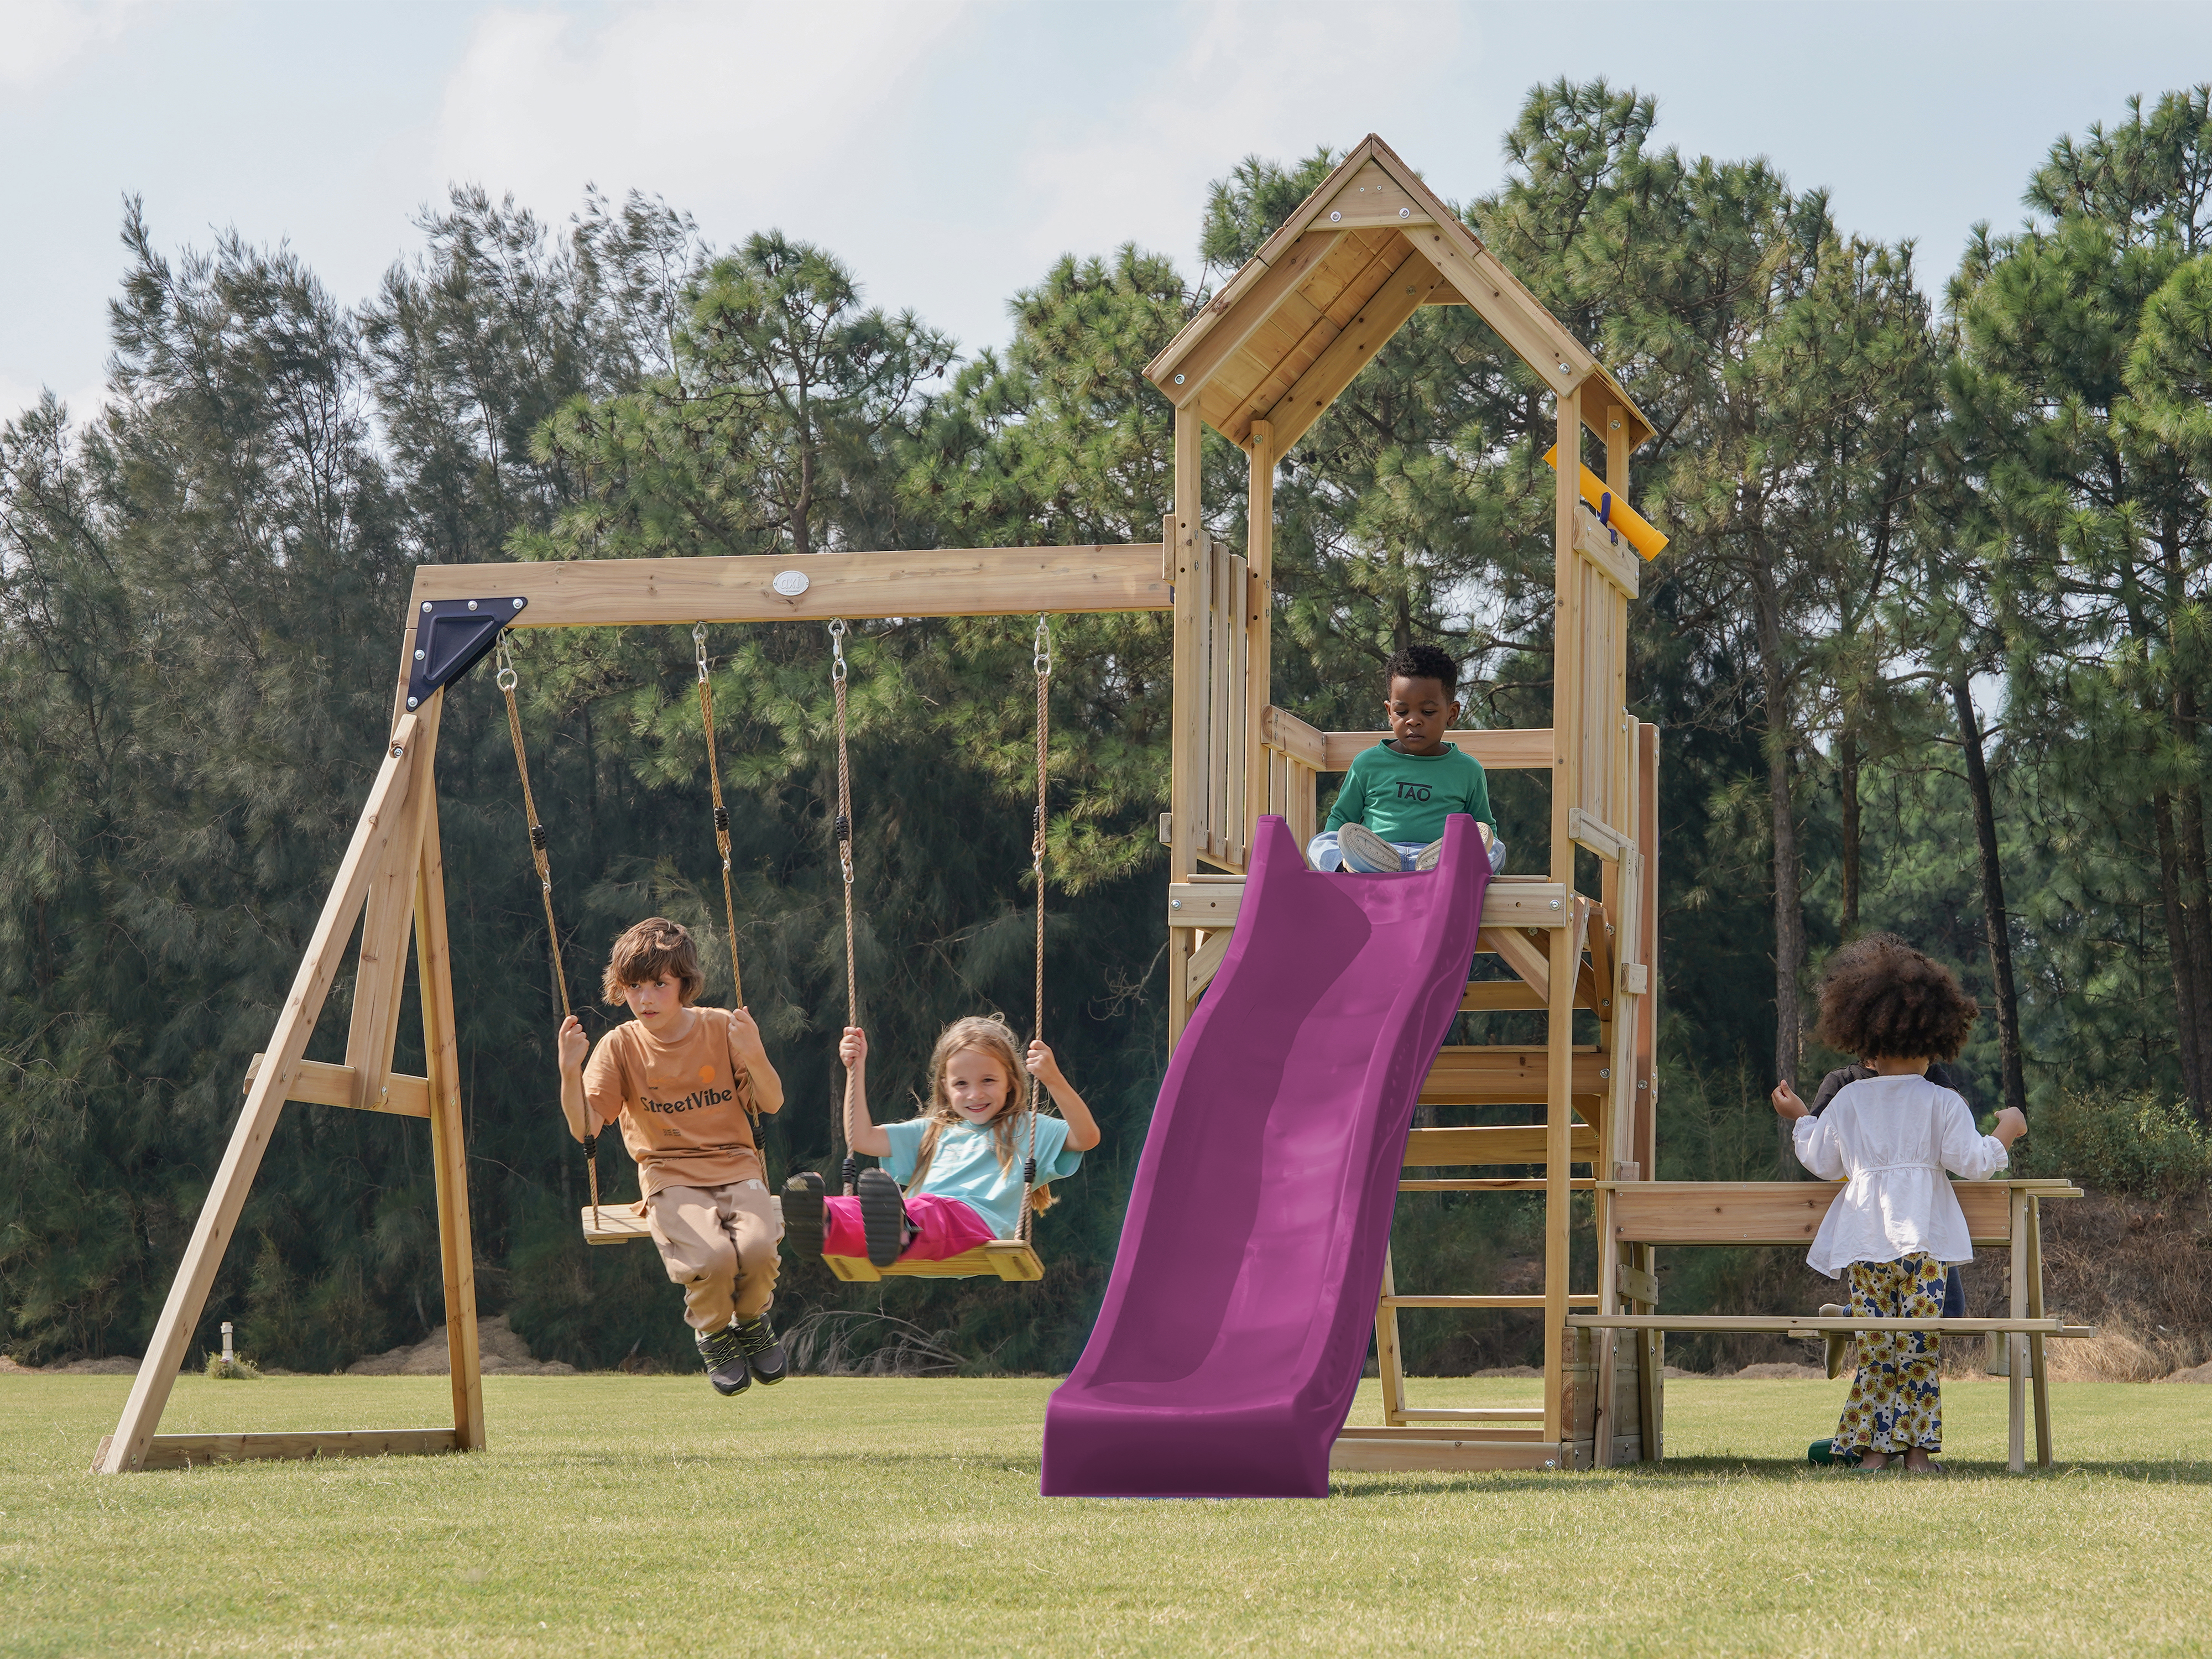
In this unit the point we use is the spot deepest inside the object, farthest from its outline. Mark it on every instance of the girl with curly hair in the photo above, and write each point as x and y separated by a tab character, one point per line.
1896	1226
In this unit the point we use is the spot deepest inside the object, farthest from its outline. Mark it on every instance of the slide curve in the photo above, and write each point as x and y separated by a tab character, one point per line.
1236	1324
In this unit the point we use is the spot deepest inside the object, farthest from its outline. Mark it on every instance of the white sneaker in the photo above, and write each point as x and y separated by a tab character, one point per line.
1367	853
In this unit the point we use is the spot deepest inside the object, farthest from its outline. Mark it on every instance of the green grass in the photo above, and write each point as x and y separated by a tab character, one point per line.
622	1515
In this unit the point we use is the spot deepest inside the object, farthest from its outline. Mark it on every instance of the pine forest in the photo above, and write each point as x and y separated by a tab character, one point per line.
1930	652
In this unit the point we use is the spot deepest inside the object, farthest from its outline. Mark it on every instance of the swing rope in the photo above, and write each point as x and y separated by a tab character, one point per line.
721	837
721	812
850	1173
1041	659
509	679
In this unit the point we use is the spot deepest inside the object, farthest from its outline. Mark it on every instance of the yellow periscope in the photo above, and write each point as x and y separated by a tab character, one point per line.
1618	513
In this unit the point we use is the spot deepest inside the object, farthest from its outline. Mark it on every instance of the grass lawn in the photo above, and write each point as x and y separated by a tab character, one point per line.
617	1515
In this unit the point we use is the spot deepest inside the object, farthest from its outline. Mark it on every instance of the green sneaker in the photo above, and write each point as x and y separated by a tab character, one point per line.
723	1353
762	1349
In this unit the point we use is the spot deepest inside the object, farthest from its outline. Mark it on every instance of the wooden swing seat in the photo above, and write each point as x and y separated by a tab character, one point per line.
1010	1258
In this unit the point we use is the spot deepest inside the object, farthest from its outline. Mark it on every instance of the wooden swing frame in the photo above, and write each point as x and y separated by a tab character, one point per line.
1260	363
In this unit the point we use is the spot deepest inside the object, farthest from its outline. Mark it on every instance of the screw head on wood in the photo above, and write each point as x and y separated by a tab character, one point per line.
426	604
411	701
1404	213
516	603
1335	217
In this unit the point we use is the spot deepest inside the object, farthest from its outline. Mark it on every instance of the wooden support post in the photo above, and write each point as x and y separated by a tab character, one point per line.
1259	624
1180	534
1559	1035
381	823
433	970
2037	1376
1390	1361
1644	1140
387	920
2016	1344
1225	613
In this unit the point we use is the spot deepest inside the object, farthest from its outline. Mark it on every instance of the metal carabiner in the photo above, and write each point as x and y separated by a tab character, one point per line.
699	645
837	644
1041	661
507	680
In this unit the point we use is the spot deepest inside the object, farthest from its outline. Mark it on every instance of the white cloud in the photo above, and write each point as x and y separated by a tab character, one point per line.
691	98
39	38
1271	79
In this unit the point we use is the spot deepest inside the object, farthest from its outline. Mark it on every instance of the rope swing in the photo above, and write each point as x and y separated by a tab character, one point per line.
721	837
849	1172
509	679
1041	659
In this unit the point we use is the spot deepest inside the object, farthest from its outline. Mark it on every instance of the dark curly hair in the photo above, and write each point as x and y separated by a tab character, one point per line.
1882	1000
1422	662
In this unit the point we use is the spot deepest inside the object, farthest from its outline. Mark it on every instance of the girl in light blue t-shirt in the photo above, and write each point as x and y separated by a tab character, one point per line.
961	1159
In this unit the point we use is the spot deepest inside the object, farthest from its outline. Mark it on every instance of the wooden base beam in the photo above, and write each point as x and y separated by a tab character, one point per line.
1400	1451
186	1451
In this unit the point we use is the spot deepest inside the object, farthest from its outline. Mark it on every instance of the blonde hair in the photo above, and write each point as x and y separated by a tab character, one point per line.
655	946
996	1039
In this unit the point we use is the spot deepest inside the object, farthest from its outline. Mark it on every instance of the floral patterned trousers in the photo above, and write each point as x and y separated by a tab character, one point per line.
1896	1400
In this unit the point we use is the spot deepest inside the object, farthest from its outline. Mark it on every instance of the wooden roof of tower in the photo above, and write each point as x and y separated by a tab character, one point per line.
1367	249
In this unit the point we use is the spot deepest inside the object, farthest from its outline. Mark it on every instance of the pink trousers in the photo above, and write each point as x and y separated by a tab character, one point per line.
948	1227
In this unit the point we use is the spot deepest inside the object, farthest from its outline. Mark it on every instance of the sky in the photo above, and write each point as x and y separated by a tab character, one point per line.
949	151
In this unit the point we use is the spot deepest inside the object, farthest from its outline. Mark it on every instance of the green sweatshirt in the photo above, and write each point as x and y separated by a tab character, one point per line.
1407	797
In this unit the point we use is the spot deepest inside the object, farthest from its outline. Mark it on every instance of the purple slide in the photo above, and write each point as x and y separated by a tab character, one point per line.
1236	1324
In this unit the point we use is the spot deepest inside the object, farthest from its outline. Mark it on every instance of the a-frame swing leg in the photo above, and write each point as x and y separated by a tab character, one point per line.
385	818
448	1146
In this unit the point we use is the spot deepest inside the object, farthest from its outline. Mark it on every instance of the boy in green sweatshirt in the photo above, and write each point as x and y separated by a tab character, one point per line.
1389	816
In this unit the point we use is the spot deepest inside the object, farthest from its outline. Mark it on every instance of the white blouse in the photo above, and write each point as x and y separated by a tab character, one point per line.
1894	1137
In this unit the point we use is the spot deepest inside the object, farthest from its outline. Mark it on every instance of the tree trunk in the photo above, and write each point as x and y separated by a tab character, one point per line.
1847	773
2196	900
1993	902
1789	909
2179	957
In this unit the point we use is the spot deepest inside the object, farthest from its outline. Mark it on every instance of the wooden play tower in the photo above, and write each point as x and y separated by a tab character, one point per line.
1259	364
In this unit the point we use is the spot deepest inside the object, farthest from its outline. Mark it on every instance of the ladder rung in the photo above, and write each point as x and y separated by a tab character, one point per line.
1495	1184
1575	1301
1469	1414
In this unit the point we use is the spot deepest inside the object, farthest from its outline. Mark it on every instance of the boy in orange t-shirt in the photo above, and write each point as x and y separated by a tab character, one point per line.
684	1082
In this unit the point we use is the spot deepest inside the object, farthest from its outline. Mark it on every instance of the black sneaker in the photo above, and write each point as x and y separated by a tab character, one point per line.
802	1213
764	1348
723	1353
883	1216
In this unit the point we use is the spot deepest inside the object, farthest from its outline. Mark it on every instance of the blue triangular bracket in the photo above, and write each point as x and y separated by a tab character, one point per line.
451	636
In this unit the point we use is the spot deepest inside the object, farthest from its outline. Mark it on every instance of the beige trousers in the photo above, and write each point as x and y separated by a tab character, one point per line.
719	1244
